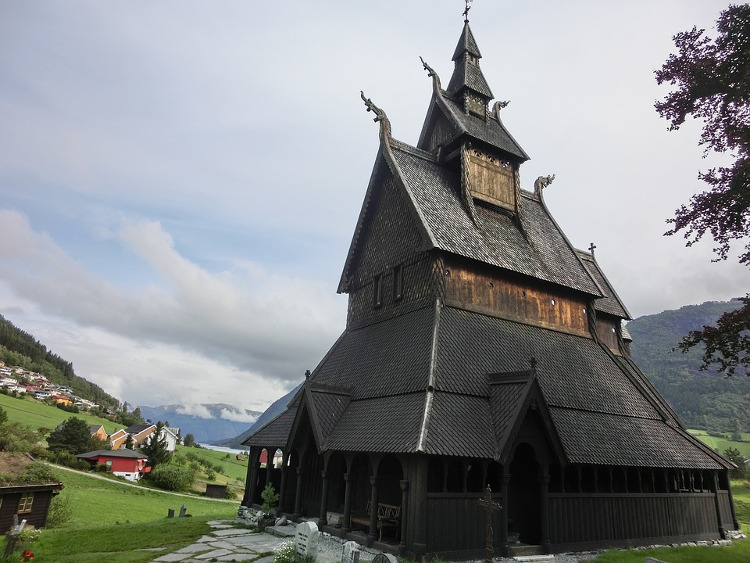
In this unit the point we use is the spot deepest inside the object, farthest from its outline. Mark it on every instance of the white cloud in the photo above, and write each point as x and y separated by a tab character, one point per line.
201	411
238	415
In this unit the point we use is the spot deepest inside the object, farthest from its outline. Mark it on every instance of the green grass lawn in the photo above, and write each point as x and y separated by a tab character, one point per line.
36	414
232	467
98	502
738	552
741	496
722	444
111	521
125	543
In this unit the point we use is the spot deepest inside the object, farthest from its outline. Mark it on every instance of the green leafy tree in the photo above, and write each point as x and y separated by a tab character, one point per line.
3	416
712	77
156	448
189	440
129	442
735	456
71	436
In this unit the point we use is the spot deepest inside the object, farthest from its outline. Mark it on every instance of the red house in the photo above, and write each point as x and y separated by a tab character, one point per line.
123	463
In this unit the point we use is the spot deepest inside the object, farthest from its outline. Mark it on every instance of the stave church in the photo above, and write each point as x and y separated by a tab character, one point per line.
481	351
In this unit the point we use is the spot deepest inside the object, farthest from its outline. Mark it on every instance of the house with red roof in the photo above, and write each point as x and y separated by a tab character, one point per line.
123	463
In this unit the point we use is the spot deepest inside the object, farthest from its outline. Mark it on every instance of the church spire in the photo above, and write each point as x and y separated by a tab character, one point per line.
468	84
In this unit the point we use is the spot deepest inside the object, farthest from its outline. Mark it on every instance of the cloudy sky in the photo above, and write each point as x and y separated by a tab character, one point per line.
179	180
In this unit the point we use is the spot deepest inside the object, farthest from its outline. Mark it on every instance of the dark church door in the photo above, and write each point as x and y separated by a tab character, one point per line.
524	500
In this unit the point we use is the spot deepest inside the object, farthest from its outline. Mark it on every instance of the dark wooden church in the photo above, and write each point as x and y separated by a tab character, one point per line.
481	349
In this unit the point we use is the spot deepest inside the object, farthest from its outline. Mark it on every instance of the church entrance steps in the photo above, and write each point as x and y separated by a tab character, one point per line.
525	552
533	558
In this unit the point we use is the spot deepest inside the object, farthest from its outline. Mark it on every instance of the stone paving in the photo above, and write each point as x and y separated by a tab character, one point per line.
226	543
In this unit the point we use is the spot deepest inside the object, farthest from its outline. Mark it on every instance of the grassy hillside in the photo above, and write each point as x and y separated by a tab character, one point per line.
703	399
37	414
19	348
721	444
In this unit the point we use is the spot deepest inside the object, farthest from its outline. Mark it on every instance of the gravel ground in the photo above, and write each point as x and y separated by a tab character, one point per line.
329	550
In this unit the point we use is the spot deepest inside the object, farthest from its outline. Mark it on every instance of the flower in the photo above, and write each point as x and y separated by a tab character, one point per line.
27	555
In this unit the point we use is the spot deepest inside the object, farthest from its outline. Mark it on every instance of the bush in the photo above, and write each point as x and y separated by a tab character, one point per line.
60	512
211	475
172	478
69	460
38	473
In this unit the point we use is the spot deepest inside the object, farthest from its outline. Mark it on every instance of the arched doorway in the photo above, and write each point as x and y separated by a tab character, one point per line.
524	498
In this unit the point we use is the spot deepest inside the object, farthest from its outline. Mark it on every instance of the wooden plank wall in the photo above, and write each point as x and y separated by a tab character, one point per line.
725	509
582	518
457	523
494	295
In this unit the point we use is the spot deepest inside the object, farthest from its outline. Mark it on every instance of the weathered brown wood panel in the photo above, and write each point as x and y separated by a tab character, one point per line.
492	294
491	179
602	517
606	330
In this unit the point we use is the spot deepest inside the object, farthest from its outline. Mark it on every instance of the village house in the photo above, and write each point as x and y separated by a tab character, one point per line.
29	501
97	431
481	351
124	463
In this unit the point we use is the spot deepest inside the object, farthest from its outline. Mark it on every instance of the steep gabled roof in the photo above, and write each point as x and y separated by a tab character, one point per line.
610	302
276	432
540	251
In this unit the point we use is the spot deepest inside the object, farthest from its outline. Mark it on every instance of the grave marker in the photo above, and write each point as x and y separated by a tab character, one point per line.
306	539
350	552
489	506
384	558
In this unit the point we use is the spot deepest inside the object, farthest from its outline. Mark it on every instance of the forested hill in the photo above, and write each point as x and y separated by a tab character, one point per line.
703	399
19	348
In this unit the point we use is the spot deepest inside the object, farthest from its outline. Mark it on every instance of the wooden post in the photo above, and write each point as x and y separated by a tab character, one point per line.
347	526
404	508
489	506
282	486
504	511
298	494
323	520
372	534
544	489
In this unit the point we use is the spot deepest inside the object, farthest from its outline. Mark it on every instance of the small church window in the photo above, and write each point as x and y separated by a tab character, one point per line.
377	291
398	282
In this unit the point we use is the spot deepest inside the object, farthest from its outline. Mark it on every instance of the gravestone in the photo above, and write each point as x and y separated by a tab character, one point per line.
306	539
183	511
170	513
384	558
350	552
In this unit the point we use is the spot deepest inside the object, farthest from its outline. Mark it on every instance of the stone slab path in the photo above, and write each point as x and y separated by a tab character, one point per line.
226	543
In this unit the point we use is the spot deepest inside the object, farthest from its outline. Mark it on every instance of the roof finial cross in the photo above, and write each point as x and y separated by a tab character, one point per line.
592	247
466	11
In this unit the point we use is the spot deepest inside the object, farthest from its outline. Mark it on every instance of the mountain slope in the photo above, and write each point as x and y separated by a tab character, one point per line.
19	348
276	408
208	423
703	399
